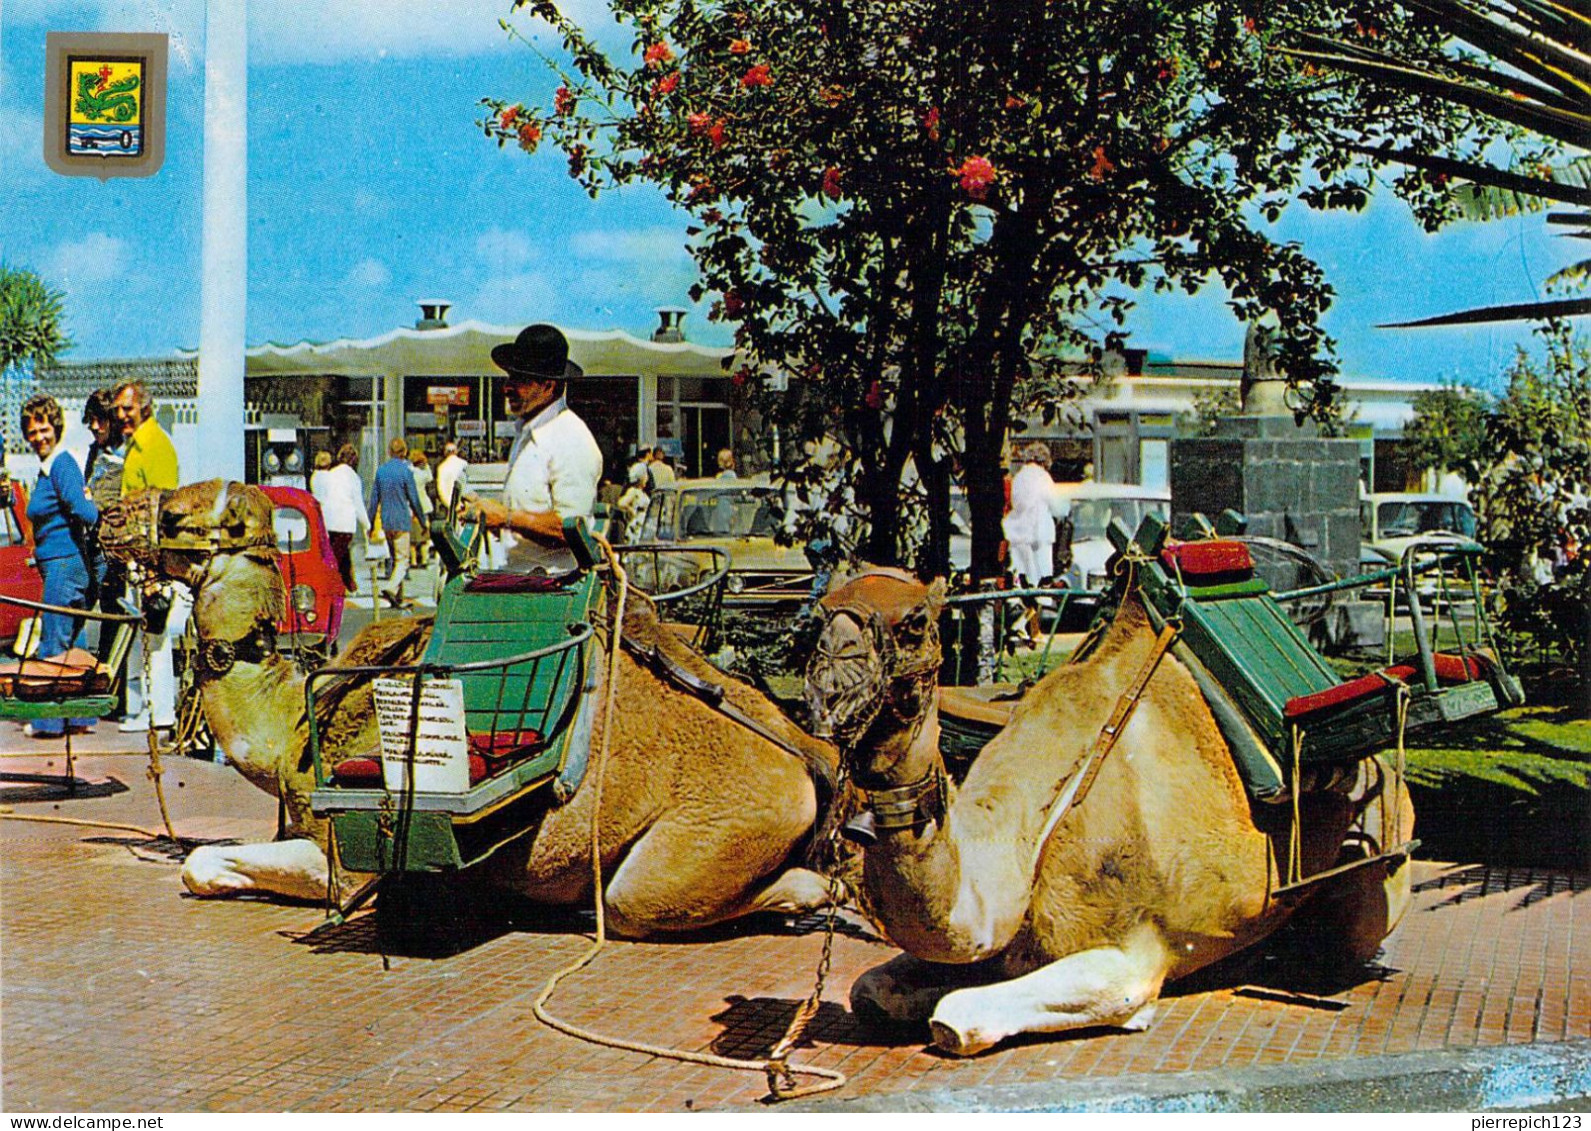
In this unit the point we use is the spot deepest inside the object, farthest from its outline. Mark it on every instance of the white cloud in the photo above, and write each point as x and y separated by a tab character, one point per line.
513	298
82	265
642	247
368	273
502	251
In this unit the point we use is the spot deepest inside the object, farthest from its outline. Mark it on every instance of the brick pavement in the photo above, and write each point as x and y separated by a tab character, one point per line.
119	993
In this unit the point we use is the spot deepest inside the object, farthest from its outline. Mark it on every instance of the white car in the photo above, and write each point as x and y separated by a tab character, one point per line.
1389	521
1091	506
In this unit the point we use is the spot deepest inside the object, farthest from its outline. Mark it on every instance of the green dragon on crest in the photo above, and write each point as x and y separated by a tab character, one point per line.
99	99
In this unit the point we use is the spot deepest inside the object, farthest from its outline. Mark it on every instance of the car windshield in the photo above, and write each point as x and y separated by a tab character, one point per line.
1090	517
1407	517
729	512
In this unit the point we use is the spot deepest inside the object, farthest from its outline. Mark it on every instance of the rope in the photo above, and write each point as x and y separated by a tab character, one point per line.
776	1064
1405	697
1295	840
7	815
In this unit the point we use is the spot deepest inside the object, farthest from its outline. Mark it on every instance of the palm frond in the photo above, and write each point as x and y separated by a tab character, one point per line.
1514	312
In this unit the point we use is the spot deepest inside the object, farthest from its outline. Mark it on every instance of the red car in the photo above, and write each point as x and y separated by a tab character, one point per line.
309	571
18	576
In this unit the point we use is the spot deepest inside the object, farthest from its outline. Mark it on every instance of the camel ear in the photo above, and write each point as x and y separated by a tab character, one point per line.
936	596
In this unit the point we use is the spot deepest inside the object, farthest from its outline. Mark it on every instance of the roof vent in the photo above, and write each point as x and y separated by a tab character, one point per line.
671	324
433	314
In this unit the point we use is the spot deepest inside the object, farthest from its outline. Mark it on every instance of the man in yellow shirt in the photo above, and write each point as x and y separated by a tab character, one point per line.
151	456
151	461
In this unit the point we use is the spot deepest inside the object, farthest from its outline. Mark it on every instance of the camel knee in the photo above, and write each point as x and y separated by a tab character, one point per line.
795	892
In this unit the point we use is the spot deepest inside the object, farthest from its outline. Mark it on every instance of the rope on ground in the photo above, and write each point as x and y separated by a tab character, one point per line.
776	1064
7	815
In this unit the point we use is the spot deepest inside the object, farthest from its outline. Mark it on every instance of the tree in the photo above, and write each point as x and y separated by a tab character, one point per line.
1448	432
31	334
1527	66
921	206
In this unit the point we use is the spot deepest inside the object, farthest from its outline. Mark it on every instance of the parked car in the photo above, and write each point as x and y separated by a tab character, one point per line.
315	595
18	576
1389	521
1091	506
739	516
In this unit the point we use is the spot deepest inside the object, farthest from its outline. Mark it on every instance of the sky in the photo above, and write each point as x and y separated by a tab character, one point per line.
371	186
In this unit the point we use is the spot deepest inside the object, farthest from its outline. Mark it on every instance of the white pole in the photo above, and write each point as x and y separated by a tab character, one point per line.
225	246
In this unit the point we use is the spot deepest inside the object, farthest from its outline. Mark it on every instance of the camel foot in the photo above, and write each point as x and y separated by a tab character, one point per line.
905	990
1110	986
796	892
292	869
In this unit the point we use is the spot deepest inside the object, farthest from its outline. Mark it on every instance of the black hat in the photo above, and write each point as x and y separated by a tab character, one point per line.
539	351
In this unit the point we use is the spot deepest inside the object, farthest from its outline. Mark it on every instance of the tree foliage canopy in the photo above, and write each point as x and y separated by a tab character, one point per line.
920	207
32	316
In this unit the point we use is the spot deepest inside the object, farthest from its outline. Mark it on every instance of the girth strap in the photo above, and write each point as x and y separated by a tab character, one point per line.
1105	741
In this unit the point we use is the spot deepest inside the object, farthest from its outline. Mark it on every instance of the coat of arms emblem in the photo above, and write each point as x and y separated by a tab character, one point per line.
104	100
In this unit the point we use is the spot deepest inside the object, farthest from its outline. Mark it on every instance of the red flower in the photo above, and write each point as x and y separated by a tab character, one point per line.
757	76
1015	102
698	121
529	136
977	174
741	376
1248	24
739	47
931	123
658	54
1167	70
563	100
1102	165
733	303
831	183
577	160
506	119
715	134
874	397
665	85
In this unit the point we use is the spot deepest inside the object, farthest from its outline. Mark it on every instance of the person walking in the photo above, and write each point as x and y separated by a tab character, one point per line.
102	471
151	463
397	501
451	475
1029	525
726	464
661	470
61	513
424	483
555	464
343	508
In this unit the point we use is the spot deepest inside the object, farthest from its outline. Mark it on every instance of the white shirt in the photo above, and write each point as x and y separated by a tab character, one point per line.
555	465
342	499
450	471
1030	519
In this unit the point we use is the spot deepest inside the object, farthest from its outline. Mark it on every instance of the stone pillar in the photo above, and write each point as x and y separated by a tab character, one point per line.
1286	480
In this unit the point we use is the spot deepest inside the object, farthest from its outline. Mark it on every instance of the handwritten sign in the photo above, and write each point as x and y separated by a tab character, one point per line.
441	749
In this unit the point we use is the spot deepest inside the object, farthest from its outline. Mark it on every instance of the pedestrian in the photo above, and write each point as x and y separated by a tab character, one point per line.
102	472
343	508
395	498
643	463
150	463
451	475
1029	526
425	484
317	478
61	514
662	471
726	464
633	502
555	464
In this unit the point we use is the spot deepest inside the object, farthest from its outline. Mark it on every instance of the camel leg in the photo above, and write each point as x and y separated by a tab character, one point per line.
295	869
1116	986
796	891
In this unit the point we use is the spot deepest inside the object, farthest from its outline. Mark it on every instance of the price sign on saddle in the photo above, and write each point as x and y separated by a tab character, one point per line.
441	750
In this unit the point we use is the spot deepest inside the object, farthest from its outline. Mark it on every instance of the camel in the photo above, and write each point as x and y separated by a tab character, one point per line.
702	819
1021	913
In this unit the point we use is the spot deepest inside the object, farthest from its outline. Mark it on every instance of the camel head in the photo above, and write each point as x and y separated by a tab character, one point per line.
175	534
875	666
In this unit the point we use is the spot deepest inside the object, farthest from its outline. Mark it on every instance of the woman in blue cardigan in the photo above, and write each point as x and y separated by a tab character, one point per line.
61	514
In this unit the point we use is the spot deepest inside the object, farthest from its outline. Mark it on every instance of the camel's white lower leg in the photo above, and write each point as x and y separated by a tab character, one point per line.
295	869
1104	986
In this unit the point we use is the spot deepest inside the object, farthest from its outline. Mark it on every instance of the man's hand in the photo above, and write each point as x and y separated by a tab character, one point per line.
491	514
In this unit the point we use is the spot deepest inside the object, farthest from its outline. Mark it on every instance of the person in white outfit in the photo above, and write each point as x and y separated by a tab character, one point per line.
450	473
341	494
555	464
1030	527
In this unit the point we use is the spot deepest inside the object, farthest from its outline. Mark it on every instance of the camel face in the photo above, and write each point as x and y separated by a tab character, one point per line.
174	533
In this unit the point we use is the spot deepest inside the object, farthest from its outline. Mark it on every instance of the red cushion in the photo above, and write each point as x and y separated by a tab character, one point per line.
357	771
477	769
1207	559
1458	669
1300	706
506	743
